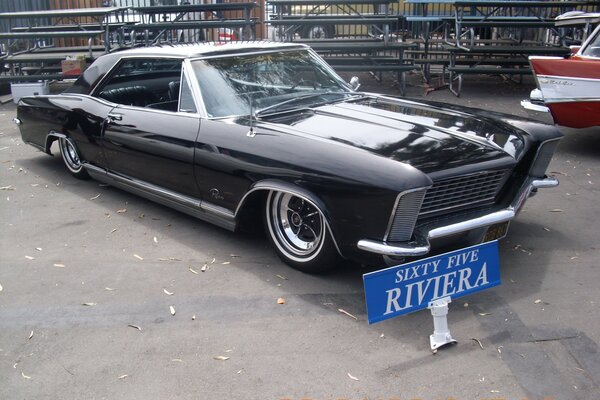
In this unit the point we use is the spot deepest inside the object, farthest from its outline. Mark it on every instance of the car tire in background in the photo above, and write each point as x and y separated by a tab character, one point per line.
299	233
71	158
317	32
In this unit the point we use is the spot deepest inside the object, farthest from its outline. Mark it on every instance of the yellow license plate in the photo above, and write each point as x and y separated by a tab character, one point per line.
496	231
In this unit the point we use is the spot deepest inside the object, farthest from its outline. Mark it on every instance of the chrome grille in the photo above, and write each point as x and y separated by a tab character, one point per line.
405	216
476	189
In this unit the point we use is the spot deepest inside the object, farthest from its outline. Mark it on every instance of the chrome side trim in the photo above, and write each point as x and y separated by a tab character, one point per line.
422	245
189	205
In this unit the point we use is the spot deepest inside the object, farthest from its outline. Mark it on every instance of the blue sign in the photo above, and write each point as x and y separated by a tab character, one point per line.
410	287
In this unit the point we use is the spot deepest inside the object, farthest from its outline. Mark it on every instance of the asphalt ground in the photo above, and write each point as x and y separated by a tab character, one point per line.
89	274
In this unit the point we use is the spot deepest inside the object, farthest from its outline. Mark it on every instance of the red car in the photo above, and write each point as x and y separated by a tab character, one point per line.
569	88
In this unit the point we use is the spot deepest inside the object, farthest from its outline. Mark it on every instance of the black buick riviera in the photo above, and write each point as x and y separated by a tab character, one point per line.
267	133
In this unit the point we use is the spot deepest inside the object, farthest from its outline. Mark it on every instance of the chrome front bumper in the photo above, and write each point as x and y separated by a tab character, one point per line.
422	246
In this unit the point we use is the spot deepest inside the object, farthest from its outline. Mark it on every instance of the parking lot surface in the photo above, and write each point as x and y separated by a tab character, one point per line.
106	295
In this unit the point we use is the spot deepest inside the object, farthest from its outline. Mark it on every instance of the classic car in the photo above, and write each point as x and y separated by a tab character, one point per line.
569	88
246	134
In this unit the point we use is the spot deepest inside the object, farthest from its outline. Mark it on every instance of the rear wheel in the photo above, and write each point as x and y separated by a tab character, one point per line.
317	32
299	234
71	158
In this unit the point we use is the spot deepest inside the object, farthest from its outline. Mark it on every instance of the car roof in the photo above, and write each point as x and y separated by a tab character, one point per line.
192	50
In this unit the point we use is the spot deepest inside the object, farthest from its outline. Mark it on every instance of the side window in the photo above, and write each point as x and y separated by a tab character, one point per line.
151	83
186	101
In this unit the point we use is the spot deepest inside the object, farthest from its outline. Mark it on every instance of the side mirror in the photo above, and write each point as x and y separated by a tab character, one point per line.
355	83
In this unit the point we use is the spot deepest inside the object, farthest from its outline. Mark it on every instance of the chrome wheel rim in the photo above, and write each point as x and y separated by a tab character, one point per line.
70	155
317	32
297	226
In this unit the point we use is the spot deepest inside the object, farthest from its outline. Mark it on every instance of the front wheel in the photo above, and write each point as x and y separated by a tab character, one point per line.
299	233
71	158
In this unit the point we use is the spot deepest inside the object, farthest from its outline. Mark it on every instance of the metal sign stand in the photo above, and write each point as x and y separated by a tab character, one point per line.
441	335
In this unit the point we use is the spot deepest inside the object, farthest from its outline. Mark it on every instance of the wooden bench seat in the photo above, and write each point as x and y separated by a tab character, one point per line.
490	70
32	78
57	34
516	49
70	28
49	57
335	20
194	24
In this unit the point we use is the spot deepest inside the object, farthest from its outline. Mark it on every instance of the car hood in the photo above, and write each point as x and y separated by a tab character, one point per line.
425	136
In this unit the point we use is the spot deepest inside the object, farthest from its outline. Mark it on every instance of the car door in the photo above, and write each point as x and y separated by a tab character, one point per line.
150	135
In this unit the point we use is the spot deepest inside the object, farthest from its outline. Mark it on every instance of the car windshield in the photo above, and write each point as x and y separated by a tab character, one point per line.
277	81
593	47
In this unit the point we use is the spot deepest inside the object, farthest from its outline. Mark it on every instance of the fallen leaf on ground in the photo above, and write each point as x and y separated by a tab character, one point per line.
466	305
483	314
213	260
38	248
172	309
221	358
193	271
499	349
281	300
538	301
547	229
89	304
204	268
25	376
155	239
30	258
30	336
352	377
58	265
478	342
109	289
281	277
167	292
225	263
347	313
138	257
113	231
177	360
123	376
234	256
135	327
95	197
9	187
122	210
524	250
556	210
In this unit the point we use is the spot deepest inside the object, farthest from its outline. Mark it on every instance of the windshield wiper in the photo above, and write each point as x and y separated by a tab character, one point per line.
275	106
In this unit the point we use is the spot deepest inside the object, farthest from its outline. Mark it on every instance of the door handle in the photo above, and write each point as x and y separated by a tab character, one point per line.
115	117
